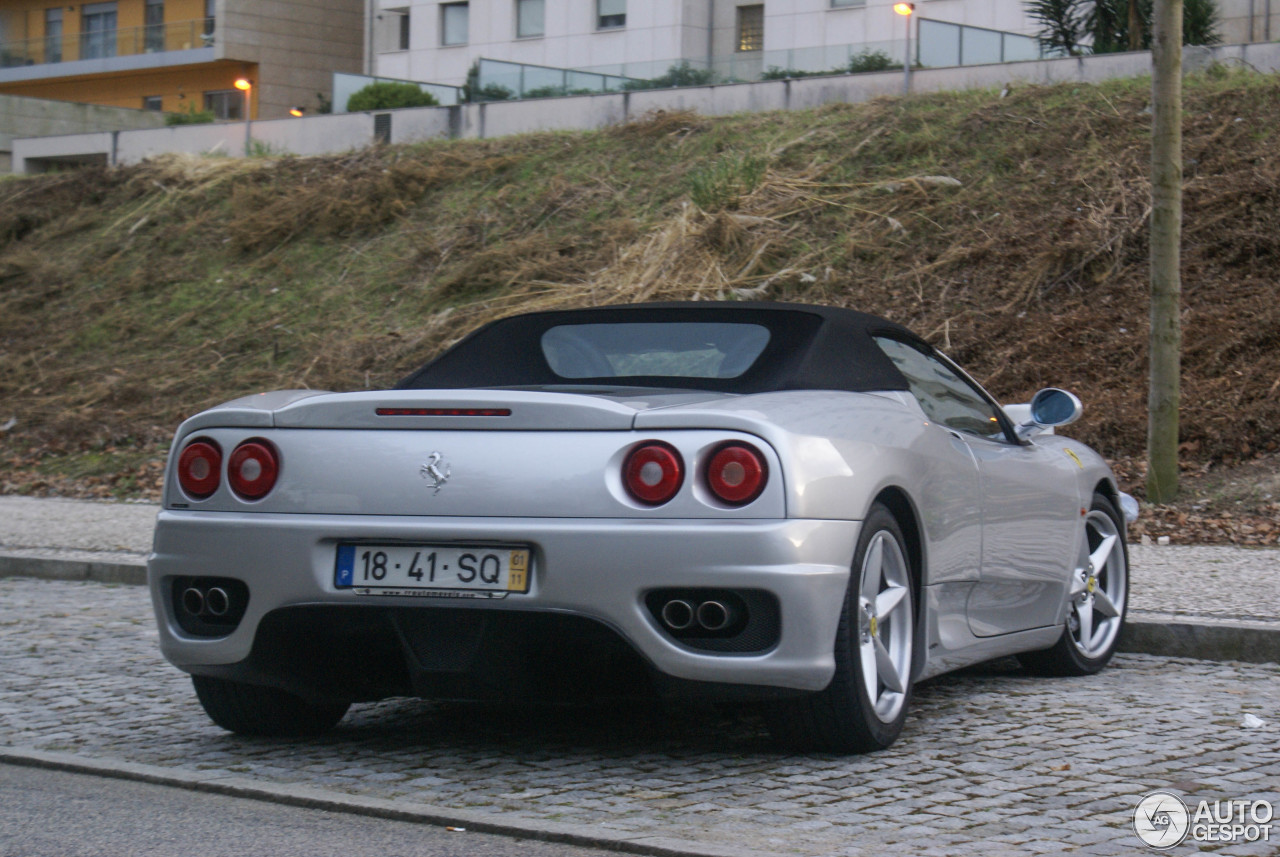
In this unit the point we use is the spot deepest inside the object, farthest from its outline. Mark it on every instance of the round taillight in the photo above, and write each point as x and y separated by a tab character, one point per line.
200	468
653	473
736	474
253	468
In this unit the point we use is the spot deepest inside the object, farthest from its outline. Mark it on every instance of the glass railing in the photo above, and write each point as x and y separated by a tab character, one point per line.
102	44
346	85
936	44
944	44
498	80
748	66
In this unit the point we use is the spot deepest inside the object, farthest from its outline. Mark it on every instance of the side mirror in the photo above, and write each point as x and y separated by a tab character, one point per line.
1049	408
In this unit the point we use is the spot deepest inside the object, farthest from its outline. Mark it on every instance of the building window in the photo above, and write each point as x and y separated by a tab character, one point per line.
154	20
454	23
750	28
210	21
843	4
152	102
530	18
404	30
225	103
611	13
53	35
97	30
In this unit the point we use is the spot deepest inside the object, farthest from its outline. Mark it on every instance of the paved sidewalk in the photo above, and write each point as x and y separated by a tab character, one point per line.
1208	602
75	539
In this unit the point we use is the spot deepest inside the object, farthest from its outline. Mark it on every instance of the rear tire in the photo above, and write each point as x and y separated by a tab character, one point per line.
865	706
1099	599
248	709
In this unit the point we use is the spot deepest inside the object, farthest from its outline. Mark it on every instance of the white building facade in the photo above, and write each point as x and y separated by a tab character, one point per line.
439	40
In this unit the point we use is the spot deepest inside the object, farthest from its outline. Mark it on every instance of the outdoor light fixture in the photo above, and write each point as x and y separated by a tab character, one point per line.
297	111
246	86
906	10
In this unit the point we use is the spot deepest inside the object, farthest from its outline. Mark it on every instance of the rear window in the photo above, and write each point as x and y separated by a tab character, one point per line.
668	349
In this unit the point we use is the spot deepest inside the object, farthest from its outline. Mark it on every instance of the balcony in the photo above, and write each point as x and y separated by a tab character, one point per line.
119	49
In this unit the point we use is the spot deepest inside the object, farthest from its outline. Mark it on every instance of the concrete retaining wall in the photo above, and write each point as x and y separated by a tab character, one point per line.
339	133
416	124
320	135
36	117
500	118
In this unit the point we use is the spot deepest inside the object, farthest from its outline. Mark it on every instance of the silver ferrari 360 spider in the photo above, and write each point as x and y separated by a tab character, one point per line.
799	506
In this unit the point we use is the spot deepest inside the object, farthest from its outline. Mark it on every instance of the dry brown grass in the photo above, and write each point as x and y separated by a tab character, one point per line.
1010	231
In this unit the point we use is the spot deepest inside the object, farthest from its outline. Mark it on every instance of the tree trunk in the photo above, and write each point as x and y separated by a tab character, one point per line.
1135	26
1166	240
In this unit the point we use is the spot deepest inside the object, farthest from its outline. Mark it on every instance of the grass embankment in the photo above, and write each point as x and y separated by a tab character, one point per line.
1009	230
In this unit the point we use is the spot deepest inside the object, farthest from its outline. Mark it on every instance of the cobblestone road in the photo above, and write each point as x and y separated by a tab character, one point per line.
992	761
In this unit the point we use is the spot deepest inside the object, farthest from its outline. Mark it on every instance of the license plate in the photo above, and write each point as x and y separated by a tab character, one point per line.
450	571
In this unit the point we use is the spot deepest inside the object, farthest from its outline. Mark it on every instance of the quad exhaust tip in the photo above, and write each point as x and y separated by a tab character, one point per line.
214	601
713	616
193	601
679	615
208	606
217	601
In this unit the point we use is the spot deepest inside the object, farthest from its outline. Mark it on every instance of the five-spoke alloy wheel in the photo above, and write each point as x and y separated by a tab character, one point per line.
1096	600
865	705
884	626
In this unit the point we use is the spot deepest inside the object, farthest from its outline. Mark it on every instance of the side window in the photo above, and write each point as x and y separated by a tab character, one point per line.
946	398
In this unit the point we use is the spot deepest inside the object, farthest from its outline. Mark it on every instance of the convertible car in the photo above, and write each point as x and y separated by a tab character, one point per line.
806	508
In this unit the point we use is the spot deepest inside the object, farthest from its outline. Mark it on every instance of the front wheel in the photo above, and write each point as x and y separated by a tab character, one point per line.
865	705
1099	597
249	709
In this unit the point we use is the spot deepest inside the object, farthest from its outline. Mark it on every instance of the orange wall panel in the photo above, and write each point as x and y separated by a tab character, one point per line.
178	87
26	20
183	10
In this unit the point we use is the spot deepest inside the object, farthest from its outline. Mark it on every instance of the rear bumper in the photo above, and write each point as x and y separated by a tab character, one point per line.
596	569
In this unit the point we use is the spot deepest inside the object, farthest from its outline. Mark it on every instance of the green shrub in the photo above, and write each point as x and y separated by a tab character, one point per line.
387	95
870	61
721	184
775	73
551	91
492	92
865	61
683	74
474	93
190	116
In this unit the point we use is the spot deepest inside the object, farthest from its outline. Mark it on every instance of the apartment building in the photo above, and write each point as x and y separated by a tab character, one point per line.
438	40
178	55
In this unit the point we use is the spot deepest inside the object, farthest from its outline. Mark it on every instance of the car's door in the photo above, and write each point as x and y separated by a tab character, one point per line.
1026	493
1030	525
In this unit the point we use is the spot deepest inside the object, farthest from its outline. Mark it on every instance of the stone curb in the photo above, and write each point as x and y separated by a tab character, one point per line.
1251	642
1173	636
313	798
47	568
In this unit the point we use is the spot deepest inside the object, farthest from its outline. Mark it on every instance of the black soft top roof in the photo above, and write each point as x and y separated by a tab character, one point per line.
810	348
